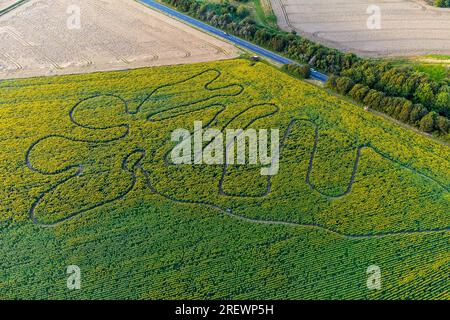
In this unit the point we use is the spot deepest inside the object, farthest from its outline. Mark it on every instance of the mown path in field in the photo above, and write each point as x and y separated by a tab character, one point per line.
132	163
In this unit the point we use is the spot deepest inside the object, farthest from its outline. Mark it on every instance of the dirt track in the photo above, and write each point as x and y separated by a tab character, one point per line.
35	39
408	27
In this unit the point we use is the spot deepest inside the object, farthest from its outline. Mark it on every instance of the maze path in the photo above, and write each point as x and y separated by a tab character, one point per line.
208	86
136	167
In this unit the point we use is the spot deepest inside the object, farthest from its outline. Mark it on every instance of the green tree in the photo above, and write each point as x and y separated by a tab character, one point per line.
443	124
424	94
442	3
428	123
242	11
344	85
331	82
418	112
405	112
443	103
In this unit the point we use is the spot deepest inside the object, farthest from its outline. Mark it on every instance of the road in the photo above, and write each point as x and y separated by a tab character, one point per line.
316	75
11	7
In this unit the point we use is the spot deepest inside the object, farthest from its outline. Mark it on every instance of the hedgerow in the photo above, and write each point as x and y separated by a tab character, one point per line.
397	107
299	71
442	3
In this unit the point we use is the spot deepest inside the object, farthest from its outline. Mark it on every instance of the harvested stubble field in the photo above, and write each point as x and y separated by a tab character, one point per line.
87	182
35	39
408	28
6	3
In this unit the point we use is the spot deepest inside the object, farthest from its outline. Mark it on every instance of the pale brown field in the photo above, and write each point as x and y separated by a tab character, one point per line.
408	27
35	39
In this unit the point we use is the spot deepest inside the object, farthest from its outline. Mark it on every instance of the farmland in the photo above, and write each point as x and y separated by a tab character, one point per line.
403	92
437	66
48	37
88	182
408	28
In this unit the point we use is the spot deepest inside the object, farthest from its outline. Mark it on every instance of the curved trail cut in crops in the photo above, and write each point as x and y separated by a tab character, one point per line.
407	28
132	168
87	175
43	37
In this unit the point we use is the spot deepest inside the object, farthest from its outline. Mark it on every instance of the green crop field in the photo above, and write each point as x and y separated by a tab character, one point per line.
436	66
87	181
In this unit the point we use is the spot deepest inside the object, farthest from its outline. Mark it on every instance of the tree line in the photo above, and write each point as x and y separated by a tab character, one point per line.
400	108
442	3
401	92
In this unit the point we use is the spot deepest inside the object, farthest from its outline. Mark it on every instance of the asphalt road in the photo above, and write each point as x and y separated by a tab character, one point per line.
12	7
221	34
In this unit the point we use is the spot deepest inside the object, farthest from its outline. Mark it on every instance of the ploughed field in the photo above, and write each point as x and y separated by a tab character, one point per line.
88	181
46	37
407	28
